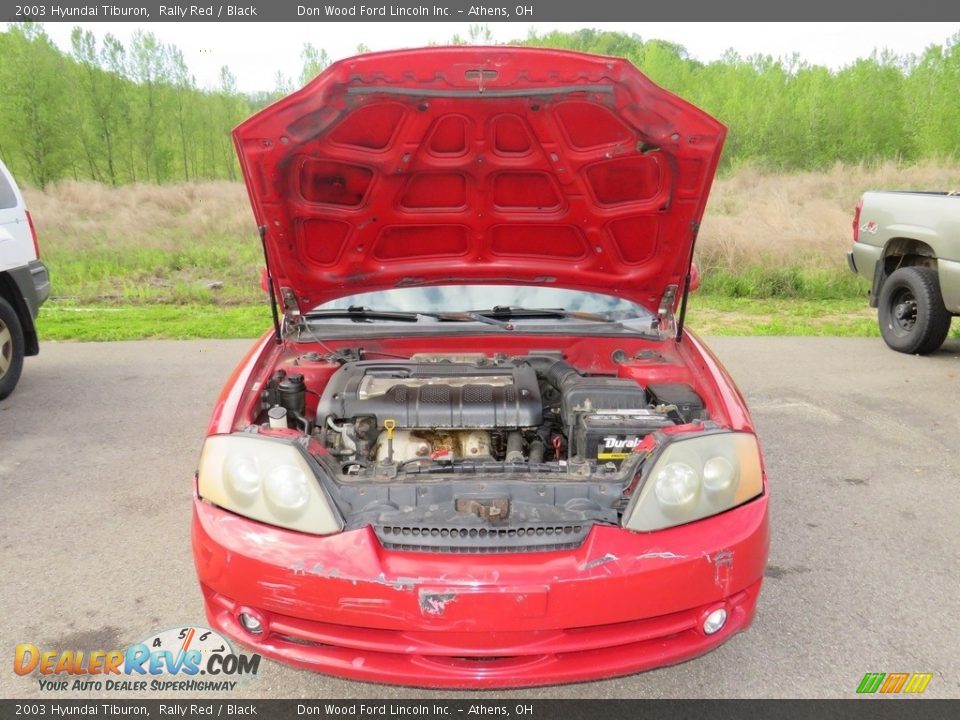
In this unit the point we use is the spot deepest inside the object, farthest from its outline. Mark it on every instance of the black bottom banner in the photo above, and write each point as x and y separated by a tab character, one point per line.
875	709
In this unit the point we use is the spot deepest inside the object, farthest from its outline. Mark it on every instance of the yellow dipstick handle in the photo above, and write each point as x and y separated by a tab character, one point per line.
389	425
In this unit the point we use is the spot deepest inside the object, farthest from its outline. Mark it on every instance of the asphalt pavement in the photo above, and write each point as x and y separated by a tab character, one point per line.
99	443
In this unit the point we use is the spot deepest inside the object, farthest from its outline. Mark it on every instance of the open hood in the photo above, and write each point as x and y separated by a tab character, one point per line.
498	165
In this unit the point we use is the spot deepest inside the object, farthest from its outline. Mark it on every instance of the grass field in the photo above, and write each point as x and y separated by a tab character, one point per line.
183	260
708	315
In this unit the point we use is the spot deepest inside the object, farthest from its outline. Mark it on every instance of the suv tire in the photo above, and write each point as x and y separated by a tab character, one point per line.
11	348
911	313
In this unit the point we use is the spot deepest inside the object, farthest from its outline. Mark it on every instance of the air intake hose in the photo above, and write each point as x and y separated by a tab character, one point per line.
554	370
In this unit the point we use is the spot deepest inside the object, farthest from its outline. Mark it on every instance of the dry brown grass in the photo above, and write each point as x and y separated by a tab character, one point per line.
801	219
79	216
183	243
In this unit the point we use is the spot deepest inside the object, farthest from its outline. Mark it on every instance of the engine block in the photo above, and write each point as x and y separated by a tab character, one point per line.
434	395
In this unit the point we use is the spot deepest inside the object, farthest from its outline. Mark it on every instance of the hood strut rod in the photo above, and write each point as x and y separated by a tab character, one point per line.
273	296
695	228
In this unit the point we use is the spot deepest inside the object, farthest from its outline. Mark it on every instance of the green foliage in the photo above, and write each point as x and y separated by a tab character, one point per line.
151	275
789	282
314	61
111	113
132	114
35	129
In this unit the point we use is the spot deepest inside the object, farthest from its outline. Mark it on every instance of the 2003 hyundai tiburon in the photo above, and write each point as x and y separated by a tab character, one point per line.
479	448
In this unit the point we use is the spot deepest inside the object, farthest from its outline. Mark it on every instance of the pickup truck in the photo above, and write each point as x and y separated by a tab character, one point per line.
907	244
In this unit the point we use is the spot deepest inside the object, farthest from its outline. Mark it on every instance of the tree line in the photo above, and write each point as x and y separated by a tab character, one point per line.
787	114
134	113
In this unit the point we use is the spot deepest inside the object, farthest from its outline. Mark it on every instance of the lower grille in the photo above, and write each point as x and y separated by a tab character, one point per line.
524	538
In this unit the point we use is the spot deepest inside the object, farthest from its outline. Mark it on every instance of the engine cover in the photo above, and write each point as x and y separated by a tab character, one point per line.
434	395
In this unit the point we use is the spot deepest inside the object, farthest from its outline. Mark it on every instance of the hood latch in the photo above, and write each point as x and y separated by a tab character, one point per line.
292	318
666	320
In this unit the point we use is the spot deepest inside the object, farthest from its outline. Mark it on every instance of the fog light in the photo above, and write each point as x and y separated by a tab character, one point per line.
715	621
251	623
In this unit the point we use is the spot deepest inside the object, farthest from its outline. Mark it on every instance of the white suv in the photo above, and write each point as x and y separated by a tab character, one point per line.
24	283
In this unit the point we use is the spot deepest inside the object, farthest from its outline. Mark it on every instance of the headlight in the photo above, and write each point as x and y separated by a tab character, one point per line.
676	485
695	477
241	478
719	474
267	480
287	489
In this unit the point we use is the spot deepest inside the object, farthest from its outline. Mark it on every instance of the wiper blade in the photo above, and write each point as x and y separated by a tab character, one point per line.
363	314
499	316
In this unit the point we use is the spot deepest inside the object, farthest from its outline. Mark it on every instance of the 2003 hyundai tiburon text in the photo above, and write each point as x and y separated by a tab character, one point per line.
479	448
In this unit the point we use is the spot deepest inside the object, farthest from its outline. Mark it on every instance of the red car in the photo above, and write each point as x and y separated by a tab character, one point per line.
479	448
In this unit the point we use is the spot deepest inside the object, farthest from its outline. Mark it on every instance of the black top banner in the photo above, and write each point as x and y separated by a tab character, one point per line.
73	11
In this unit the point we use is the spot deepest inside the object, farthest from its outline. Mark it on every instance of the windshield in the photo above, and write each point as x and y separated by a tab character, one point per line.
465	298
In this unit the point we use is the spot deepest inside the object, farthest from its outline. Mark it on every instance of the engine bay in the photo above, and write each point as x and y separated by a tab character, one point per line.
437	413
519	447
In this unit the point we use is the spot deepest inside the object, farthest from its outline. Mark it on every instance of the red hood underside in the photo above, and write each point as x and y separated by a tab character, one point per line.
476	165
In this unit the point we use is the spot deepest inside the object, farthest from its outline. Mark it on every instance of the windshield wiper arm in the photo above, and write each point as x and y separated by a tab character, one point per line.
503	312
467	317
515	312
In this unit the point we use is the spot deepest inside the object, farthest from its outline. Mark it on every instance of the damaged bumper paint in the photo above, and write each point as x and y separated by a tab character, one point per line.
620	603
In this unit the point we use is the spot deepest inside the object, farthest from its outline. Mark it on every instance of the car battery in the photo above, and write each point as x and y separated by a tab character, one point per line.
611	435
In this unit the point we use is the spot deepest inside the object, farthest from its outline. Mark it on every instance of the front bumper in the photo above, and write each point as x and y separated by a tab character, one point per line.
623	602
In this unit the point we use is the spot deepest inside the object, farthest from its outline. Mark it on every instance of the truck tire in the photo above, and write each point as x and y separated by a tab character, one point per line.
11	348
911	313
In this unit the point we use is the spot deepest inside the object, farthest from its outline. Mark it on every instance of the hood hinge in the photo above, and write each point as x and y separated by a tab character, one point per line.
292	318
666	320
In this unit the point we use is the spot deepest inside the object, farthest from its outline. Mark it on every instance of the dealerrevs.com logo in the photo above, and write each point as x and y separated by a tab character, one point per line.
184	659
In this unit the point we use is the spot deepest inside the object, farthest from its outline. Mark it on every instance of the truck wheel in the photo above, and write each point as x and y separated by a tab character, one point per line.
912	316
11	348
